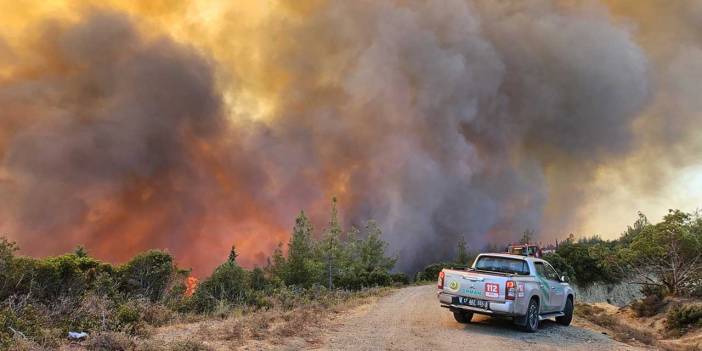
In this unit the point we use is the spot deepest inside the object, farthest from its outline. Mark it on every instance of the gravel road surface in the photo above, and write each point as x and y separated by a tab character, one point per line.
411	319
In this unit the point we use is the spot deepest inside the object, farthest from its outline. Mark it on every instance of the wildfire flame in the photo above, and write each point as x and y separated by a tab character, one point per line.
190	285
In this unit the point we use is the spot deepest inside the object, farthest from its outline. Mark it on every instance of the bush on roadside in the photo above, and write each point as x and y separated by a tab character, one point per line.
22	319
400	278
431	272
648	306
682	318
229	284
148	275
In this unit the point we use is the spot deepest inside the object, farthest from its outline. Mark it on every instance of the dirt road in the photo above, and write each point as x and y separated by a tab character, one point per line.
411	319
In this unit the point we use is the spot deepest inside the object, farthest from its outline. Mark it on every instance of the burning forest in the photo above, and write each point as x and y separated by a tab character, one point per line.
191	125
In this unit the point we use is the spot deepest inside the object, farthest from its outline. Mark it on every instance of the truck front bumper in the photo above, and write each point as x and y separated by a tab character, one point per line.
496	308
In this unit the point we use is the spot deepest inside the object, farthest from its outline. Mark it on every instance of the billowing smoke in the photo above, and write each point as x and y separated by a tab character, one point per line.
120	144
439	119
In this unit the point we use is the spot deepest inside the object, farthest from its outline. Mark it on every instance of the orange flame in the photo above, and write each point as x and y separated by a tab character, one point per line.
190	286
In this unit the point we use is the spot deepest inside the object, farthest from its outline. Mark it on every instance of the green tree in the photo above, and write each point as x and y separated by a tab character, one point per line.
301	267
276	268
633	231
331	246
364	261
670	252
463	256
585	267
258	279
373	248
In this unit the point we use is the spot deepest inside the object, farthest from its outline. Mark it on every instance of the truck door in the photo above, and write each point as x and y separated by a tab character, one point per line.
550	286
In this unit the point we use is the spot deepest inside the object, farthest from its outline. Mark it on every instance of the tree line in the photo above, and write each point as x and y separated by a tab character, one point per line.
75	291
666	255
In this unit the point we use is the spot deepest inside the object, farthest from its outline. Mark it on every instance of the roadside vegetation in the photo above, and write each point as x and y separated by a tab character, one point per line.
665	260
120	306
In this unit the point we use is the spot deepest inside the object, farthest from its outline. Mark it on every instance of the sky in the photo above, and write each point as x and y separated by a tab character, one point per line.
194	125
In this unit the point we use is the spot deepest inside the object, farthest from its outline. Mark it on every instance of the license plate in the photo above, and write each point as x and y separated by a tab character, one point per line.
473	302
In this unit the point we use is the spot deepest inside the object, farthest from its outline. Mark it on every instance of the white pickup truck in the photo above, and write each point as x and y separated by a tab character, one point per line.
525	289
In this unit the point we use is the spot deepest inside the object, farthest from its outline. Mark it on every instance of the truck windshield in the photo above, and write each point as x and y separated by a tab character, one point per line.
502	265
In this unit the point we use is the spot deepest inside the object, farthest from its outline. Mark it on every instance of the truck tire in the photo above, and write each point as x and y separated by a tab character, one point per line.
568	313
532	317
462	317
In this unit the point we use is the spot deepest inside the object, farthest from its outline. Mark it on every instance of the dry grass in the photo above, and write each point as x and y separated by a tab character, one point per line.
189	345
620	331
286	321
110	341
292	319
26	345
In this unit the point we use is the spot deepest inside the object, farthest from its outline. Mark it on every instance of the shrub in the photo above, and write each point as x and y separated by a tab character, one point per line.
654	290
648	306
92	313
228	283
157	314
684	317
258	279
431	272
128	314
188	345
148	274
24	319
400	278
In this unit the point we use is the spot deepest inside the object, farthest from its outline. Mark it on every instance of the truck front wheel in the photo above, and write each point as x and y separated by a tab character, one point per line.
462	317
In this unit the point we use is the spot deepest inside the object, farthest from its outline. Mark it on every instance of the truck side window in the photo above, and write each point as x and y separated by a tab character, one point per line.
540	269
546	271
551	273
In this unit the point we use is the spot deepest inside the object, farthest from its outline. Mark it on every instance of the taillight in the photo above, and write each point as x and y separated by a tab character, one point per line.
511	290
440	283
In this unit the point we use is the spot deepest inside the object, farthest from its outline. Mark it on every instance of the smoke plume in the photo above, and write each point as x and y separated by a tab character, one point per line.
123	129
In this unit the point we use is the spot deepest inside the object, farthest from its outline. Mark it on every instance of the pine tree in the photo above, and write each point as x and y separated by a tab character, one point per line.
232	254
300	267
377	266
80	251
276	267
462	257
331	244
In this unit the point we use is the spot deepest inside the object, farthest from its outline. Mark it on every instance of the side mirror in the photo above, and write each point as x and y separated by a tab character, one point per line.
564	279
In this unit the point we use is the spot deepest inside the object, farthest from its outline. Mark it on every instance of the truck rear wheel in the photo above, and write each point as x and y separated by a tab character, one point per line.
462	317
532	317
568	313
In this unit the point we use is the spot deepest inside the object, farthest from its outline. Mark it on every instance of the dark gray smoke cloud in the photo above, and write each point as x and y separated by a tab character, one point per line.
459	118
